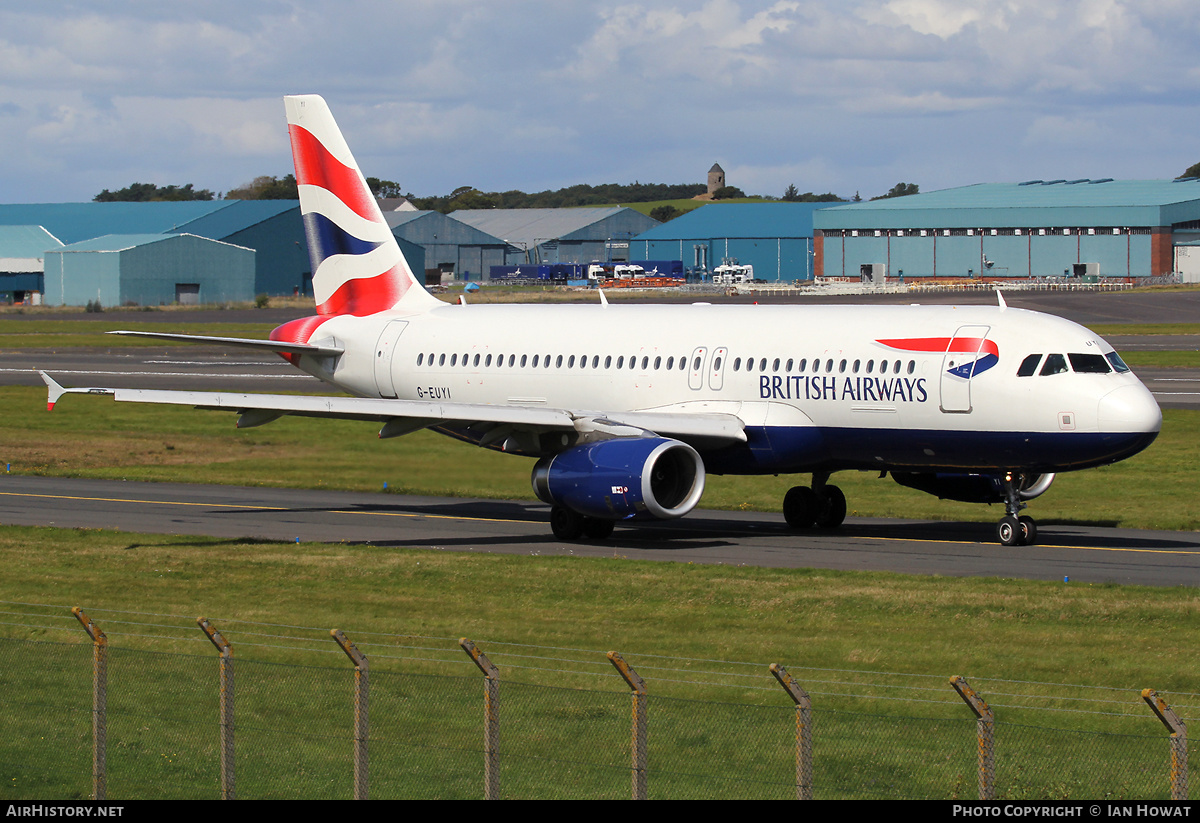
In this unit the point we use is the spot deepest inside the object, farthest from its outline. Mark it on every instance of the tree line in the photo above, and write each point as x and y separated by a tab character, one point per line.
468	197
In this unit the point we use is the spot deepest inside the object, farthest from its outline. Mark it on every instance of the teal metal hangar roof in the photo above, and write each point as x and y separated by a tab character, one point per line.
72	222
26	241
739	220
236	216
1082	202
124	242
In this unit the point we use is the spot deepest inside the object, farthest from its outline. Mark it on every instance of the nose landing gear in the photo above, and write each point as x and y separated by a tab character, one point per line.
1015	529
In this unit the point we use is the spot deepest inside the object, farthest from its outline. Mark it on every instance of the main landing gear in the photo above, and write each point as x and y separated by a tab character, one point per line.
1015	529
821	505
568	524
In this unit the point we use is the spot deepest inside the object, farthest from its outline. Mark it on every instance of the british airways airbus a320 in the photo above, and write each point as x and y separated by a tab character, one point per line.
626	408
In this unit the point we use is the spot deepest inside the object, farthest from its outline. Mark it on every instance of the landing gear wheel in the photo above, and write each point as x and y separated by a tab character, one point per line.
833	509
596	529
1028	530
1009	531
800	507
565	523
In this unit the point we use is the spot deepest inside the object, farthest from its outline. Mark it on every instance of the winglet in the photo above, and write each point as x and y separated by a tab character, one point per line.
56	391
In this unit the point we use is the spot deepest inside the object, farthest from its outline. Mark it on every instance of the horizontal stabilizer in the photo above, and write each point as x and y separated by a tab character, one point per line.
242	342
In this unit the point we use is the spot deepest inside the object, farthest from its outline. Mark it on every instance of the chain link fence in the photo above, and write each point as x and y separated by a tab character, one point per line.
564	722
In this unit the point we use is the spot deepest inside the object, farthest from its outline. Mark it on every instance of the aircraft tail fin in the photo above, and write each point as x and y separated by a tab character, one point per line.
357	265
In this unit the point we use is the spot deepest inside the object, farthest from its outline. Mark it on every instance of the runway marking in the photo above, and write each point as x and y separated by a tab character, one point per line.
254	508
1184	552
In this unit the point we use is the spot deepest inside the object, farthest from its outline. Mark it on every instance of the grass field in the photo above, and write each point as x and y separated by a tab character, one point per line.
1059	662
95	437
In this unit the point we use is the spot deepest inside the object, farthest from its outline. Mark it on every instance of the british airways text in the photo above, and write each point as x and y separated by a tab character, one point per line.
860	389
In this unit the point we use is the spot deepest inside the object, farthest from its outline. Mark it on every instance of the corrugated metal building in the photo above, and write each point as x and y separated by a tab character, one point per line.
582	235
271	227
775	238
149	270
448	244
1112	228
22	260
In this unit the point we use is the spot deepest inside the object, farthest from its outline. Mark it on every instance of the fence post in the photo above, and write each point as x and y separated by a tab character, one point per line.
99	704
985	725
1178	730
361	693
639	723
226	721
804	773
491	719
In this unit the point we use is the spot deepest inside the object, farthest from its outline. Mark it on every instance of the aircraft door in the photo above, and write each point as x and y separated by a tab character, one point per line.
696	368
385	347
716	370
958	366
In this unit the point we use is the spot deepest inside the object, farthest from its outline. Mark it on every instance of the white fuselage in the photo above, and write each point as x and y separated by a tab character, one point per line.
815	386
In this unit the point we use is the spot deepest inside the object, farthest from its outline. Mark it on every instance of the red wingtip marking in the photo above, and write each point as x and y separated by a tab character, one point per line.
49	407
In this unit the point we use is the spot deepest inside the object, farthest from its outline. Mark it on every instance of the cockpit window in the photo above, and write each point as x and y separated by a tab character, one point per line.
1117	363
1055	364
1088	363
1029	365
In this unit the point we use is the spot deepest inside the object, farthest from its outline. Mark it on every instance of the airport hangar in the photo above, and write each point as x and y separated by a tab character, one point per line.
1039	228
146	272
775	238
579	235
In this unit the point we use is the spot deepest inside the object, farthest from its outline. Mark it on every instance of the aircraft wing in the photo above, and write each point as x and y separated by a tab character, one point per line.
243	342
493	422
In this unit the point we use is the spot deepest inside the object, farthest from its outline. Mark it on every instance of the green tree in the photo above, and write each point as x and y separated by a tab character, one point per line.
664	213
791	194
899	190
267	188
1192	171
384	189
147	192
728	192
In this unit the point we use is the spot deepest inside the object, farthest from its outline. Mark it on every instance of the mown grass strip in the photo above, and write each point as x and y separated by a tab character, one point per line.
95	437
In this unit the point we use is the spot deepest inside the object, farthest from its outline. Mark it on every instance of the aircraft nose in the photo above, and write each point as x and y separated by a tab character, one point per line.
1130	408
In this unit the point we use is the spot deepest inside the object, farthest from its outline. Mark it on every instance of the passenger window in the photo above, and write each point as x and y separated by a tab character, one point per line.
621	362
775	365
737	364
1029	365
1088	363
657	363
420	357
1055	364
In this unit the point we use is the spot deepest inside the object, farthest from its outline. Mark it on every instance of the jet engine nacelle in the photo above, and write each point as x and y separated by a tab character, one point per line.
973	488
623	478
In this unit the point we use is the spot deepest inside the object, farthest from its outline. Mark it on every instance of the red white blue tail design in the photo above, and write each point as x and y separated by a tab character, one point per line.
357	266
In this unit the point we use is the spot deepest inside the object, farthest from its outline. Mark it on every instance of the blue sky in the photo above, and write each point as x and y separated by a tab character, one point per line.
843	96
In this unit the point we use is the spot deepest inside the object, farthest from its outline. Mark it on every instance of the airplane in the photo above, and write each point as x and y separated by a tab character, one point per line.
626	408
